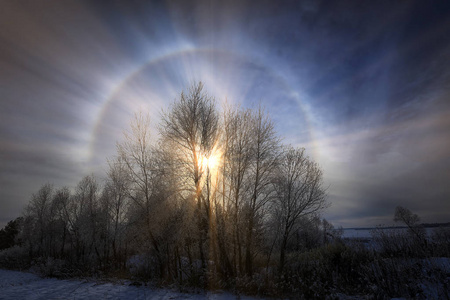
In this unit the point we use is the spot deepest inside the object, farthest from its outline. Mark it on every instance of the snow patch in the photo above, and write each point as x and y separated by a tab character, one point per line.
22	285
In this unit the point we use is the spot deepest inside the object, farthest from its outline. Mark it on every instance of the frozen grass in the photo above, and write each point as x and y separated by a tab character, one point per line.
21	285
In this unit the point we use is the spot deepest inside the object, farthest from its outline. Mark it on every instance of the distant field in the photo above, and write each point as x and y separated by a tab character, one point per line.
356	233
365	233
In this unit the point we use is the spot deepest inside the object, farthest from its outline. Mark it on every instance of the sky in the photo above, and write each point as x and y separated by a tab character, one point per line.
364	86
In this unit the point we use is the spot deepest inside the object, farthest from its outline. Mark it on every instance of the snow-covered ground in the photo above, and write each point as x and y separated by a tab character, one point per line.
22	285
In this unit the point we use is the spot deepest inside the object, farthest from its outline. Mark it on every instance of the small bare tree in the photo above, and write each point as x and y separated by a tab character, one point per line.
136	156
412	221
60	201
265	146
85	205
38	217
114	200
299	190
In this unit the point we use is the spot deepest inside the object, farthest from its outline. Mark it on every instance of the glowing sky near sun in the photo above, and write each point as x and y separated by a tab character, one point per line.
363	86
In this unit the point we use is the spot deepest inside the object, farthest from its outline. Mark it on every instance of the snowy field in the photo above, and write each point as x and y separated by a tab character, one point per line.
20	285
366	233
356	233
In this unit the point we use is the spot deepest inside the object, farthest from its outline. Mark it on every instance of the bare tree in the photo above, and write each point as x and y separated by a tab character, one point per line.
38	216
237	140
191	127
264	155
115	202
405	216
59	206
86	208
411	220
299	190
141	163
136	155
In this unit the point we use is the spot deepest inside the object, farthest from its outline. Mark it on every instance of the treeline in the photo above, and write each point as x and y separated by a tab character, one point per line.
8	235
215	197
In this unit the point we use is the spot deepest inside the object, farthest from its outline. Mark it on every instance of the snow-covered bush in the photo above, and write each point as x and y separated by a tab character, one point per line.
15	257
140	266
50	267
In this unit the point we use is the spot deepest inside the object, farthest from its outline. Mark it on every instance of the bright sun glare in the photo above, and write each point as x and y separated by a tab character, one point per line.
210	162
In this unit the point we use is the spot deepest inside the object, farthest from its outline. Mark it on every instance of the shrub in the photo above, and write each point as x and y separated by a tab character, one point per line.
325	270
50	267
440	239
15	258
400	242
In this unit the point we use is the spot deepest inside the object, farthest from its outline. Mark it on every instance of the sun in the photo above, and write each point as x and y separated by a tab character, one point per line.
211	162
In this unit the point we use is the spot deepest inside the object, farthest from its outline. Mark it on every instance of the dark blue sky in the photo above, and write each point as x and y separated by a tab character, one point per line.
364	86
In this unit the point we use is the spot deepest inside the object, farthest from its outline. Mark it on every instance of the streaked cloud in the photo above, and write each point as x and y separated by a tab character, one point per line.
364	86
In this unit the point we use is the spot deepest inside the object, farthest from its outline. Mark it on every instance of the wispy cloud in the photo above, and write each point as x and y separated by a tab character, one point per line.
366	95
